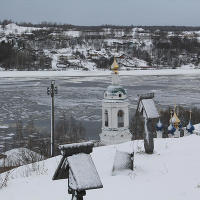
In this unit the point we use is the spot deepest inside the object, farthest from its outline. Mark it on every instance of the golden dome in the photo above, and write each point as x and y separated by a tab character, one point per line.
175	118
115	66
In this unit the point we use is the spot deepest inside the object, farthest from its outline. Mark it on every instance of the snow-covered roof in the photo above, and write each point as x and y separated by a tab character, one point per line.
69	150
83	174
77	145
82	147
150	108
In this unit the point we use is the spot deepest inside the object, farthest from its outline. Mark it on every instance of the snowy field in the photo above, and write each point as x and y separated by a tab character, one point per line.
171	173
81	96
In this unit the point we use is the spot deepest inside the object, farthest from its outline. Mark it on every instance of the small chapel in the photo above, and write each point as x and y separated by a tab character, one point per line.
115	112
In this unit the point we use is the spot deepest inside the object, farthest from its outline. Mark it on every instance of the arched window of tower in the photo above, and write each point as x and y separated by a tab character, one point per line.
120	117
106	118
120	95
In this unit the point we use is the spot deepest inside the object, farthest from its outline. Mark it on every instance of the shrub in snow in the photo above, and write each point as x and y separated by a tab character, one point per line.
123	162
4	179
20	156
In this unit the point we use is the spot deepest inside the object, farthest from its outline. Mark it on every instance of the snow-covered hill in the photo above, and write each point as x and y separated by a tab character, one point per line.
92	48
16	30
172	172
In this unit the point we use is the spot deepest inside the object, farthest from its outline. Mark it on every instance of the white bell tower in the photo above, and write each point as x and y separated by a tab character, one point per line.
115	112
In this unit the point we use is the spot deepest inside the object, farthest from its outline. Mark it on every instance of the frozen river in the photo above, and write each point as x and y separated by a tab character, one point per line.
81	96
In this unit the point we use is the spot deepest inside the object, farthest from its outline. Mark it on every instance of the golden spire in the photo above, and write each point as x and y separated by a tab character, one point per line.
175	120
190	114
174	108
115	66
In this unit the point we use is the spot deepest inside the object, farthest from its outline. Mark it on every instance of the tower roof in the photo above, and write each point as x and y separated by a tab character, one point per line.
115	91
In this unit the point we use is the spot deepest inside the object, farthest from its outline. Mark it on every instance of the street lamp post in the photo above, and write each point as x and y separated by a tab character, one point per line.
52	90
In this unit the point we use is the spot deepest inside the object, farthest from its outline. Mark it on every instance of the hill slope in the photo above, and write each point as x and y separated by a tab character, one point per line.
92	48
172	172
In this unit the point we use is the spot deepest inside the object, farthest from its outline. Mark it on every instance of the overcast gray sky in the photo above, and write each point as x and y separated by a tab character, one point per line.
97	12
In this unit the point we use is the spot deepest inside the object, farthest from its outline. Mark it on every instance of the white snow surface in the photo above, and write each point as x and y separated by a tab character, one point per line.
15	29
77	73
197	129
72	33
172	172
76	145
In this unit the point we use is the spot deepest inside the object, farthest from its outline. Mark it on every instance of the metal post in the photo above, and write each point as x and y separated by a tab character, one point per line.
52	122
52	91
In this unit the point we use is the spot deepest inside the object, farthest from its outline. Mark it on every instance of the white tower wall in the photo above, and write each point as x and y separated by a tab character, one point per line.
113	108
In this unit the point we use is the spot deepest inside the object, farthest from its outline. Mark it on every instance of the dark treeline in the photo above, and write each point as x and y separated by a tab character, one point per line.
22	57
28	134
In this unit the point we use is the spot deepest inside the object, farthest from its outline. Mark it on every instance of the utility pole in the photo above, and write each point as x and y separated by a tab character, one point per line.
52	90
